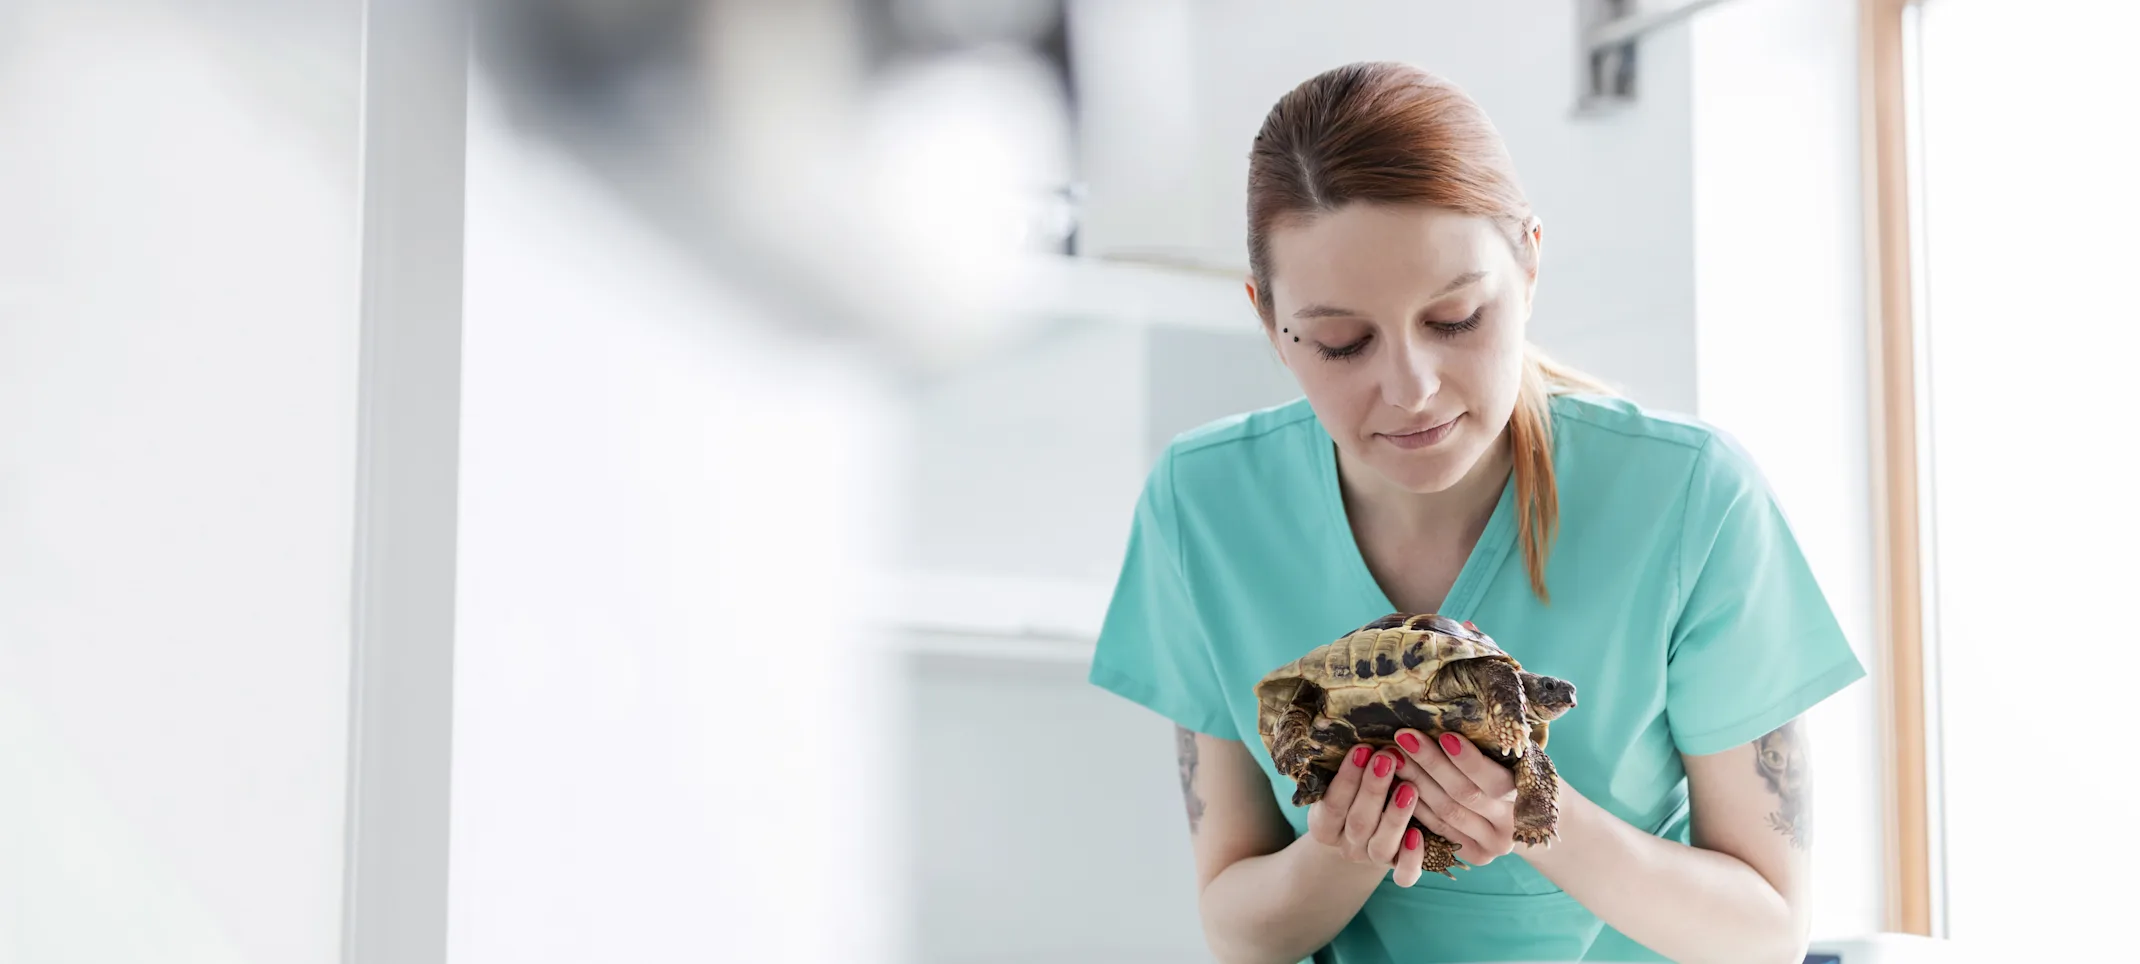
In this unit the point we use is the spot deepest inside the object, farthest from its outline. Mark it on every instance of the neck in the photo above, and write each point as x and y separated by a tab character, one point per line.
1456	513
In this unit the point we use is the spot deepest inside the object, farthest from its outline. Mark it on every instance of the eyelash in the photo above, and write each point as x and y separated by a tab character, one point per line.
1445	329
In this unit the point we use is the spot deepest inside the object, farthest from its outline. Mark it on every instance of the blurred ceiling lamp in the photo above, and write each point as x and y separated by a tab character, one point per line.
965	171
891	165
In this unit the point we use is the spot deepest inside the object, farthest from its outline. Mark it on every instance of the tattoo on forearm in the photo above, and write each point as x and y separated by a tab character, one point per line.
1781	758
1185	754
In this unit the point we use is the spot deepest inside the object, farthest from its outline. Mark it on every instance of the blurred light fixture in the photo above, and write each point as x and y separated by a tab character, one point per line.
1609	31
966	175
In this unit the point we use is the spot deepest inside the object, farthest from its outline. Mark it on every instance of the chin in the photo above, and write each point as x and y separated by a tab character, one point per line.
1425	474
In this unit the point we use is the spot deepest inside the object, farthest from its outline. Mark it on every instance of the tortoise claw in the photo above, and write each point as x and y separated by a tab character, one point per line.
1535	838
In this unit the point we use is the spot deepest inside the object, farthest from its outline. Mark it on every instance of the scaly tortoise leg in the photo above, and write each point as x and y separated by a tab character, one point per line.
1440	852
1508	723
1537	799
1299	755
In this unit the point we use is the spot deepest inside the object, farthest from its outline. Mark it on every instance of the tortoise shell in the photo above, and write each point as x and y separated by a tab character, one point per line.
1425	672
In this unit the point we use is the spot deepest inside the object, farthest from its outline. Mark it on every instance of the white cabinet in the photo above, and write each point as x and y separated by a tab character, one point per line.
1045	819
1024	465
1039	806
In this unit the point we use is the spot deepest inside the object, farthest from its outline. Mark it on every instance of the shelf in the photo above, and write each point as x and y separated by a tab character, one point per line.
973	606
1134	294
1035	650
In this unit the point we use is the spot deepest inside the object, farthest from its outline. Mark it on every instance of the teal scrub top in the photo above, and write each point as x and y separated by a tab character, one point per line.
1682	609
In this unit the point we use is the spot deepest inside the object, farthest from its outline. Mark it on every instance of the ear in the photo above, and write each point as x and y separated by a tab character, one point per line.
1534	238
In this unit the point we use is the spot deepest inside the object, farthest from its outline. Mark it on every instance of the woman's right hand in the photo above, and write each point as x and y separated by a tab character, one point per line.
1361	819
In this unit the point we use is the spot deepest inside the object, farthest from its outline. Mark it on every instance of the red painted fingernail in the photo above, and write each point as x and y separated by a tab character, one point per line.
1359	755
1411	838
1382	766
1405	796
1452	744
1409	742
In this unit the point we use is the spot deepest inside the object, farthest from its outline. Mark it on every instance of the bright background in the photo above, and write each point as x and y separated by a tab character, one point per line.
2029	192
799	433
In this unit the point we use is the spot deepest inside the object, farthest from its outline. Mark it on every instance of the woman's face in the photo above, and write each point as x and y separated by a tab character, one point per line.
1405	327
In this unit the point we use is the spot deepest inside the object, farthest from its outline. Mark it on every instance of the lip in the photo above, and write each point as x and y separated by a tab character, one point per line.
1422	437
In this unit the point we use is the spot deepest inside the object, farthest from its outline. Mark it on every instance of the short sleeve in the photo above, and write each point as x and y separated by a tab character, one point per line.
1152	647
1755	643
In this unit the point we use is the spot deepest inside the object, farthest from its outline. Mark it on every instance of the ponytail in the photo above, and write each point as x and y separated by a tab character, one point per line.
1530	434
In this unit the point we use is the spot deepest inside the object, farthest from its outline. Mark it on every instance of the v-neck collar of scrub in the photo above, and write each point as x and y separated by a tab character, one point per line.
1480	564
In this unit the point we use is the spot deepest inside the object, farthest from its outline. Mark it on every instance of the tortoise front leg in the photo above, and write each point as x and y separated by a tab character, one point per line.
1537	799
1507	726
1299	754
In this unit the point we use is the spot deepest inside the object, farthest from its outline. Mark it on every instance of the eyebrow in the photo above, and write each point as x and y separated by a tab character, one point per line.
1332	311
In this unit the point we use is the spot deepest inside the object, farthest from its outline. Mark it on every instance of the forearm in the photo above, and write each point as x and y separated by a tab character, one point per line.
1689	904
1282	906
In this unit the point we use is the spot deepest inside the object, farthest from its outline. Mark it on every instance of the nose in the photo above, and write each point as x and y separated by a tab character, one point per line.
1412	377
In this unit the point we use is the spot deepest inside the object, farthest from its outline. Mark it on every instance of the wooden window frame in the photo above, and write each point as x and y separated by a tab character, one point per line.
1897	509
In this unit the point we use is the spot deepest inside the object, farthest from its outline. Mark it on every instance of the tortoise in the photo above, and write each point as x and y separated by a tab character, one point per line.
1429	673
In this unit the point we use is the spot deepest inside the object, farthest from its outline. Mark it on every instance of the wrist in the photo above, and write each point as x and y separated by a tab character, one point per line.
1321	864
1575	830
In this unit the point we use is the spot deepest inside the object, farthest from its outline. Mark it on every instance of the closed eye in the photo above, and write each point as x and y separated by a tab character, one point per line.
1451	329
1344	351
1446	329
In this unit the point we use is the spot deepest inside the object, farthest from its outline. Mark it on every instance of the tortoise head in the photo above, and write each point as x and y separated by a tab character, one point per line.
1548	696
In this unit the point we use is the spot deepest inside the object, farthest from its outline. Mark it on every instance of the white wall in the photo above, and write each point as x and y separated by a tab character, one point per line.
1781	349
177	416
667	739
1024	464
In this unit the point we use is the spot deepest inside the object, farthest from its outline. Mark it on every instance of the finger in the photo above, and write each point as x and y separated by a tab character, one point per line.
1449	815
1468	850
1326	819
1366	812
1494	781
1411	858
1432	757
1382	847
1488	775
1414	744
1446	775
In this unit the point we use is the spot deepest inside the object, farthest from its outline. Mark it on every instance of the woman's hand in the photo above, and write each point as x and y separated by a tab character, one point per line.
1465	797
1362	819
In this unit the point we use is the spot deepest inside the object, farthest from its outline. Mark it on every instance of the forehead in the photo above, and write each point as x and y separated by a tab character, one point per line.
1380	249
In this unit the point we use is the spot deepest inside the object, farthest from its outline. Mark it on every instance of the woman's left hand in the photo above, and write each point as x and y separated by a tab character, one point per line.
1467	797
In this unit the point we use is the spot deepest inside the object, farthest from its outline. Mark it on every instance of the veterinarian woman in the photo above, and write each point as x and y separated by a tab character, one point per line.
1437	463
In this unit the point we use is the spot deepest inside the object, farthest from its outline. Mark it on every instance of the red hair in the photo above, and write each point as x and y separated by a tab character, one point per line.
1395	134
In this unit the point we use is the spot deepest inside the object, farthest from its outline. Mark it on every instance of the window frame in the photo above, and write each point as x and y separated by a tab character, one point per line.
1894	351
